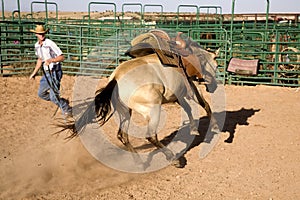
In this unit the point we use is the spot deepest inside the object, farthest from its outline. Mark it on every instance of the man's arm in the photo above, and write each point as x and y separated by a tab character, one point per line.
36	69
59	58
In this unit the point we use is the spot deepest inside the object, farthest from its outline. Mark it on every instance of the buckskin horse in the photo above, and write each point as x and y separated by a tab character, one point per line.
143	84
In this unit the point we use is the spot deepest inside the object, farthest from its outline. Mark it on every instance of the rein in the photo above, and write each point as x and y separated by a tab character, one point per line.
53	86
190	90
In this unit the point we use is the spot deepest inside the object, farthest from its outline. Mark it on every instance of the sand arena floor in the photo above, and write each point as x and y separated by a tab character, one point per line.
261	162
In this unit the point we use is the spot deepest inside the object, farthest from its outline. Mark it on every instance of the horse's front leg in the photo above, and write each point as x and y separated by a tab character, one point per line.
187	108
203	103
213	122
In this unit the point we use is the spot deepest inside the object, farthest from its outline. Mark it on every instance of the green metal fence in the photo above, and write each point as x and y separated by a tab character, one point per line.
96	47
16	45
277	51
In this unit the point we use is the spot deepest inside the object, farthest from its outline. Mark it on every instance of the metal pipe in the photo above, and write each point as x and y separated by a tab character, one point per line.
101	3
41	2
3	16
232	19
1	65
153	5
191	6
131	4
231	27
267	13
46	10
213	7
17	11
216	8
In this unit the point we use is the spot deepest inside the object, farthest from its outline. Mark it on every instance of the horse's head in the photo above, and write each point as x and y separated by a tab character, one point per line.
202	64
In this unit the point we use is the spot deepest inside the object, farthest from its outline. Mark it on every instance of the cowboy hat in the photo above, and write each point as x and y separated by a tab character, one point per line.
39	29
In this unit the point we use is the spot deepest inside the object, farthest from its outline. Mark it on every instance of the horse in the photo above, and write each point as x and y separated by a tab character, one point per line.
177	51
144	84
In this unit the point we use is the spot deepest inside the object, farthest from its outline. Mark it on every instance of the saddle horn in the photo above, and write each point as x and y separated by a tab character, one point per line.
179	41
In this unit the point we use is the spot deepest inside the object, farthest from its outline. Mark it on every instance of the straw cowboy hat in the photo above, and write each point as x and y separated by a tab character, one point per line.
39	29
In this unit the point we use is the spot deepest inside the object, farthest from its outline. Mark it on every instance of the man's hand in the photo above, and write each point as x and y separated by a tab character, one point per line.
32	76
38	65
48	62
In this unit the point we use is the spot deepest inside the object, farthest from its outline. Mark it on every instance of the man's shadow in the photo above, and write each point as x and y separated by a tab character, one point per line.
232	119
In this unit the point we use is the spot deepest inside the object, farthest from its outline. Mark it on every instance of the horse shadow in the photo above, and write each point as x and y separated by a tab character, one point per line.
80	105
182	135
232	120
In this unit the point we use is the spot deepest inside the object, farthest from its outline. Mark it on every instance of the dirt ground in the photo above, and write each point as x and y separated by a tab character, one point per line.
260	159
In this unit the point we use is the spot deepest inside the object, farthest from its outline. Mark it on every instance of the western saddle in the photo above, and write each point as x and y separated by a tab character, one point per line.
169	50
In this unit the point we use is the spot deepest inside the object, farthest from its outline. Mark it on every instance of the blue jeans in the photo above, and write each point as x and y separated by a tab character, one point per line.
47	93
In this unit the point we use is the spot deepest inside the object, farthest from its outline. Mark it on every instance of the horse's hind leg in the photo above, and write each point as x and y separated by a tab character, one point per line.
123	135
123	129
153	121
168	153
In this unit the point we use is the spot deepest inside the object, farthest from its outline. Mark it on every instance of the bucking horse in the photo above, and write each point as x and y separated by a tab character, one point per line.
160	71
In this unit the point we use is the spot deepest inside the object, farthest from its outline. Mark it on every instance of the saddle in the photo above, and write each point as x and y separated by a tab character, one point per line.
169	50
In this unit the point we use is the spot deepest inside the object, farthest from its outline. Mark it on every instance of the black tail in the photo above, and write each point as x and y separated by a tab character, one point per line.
103	102
99	110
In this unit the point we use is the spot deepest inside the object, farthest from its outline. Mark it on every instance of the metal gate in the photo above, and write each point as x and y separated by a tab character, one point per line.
96	47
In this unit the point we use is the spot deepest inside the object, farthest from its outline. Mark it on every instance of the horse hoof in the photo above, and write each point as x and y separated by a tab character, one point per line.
180	162
176	163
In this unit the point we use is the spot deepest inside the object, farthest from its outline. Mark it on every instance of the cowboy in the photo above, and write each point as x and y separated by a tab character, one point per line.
49	58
